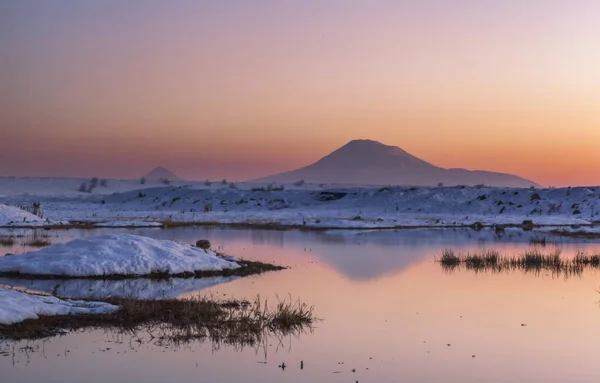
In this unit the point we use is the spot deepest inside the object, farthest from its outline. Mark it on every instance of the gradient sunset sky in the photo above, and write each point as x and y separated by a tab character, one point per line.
243	89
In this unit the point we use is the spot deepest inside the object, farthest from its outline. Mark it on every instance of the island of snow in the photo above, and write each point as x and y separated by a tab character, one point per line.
123	255
17	306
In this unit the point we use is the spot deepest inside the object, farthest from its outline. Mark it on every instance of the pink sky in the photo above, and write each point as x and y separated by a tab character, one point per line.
240	90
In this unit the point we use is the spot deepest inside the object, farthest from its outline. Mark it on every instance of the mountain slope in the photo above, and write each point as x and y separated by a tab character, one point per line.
160	173
373	163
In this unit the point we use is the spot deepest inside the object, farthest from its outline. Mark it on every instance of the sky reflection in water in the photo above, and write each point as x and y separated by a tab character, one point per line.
390	313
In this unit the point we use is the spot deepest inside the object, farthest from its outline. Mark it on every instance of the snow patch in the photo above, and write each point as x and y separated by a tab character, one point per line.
17	306
14	217
118	254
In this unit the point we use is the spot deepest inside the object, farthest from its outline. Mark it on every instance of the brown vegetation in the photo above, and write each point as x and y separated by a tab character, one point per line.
180	320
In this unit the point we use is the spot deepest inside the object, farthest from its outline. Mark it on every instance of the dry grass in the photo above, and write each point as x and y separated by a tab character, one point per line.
180	320
7	241
38	242
532	260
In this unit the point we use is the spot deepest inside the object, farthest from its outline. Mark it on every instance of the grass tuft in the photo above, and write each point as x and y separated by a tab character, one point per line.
532	260
180	320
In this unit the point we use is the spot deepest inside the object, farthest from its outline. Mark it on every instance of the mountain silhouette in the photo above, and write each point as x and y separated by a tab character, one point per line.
160	173
368	162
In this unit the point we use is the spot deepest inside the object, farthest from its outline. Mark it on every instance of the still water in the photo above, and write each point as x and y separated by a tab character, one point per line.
389	314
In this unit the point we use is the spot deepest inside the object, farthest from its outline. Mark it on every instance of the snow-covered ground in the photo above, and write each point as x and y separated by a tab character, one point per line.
118	254
316	206
138	288
18	306
70	187
11	216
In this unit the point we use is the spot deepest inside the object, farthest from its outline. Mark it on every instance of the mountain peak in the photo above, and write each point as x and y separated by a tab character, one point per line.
364	161
363	152
366	144
160	173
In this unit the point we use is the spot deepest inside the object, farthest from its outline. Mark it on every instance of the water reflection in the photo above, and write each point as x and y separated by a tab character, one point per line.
391	314
141	288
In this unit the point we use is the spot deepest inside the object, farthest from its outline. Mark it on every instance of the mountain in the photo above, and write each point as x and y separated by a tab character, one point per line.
373	163
160	173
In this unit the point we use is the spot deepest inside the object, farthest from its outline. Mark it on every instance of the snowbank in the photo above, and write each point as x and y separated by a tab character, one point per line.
14	217
138	288
330	206
119	254
17	306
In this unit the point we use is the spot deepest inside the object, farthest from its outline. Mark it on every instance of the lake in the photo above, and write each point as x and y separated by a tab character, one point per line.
389	314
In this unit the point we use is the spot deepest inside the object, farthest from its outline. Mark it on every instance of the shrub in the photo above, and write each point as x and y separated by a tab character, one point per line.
104	183
83	188
94	182
37	209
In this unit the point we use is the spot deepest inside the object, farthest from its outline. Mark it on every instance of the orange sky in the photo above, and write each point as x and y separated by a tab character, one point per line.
242	90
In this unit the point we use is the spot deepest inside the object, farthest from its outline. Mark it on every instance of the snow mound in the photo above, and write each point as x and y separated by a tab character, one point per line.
13	216
118	254
17	306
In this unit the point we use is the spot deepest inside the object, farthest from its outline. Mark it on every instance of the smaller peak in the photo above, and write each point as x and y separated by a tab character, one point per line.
160	172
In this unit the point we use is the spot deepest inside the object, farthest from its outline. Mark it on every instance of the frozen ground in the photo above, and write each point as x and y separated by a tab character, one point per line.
18	306
119	254
307	205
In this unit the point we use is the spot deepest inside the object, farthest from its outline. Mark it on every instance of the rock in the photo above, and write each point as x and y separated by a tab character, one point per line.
203	244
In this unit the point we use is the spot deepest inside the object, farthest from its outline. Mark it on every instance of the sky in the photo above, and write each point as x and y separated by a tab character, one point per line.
244	89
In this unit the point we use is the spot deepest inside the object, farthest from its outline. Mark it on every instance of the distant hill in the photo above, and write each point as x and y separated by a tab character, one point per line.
160	173
367	162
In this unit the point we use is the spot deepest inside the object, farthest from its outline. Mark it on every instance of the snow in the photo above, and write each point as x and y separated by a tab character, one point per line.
360	207
15	217
138	288
118	254
17	306
69	187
